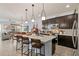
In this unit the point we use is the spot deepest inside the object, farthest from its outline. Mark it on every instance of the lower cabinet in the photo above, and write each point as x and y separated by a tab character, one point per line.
53	46
66	41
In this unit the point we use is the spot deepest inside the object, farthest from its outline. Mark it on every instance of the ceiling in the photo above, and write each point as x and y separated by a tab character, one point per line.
17	10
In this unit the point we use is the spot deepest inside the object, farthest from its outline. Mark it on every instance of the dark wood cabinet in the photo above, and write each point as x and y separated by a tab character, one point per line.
66	41
64	22
53	46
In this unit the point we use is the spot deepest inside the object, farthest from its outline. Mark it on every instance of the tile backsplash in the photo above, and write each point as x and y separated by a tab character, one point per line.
67	32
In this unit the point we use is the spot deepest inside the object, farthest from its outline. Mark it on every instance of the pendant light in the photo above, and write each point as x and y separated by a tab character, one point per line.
33	17
26	16
43	14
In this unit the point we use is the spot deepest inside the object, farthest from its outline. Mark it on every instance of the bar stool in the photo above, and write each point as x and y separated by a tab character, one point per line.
25	41
23	33
18	40
37	45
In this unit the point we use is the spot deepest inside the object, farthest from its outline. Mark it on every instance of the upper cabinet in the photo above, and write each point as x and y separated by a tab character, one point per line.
64	22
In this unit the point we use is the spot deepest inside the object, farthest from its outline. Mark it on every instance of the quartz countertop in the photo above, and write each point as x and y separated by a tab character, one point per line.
43	38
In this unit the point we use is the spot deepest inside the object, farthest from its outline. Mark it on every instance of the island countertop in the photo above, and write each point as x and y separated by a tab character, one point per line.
43	38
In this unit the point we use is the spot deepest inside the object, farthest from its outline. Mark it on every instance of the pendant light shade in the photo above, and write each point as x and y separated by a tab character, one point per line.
43	14
43	17
33	17
26	16
33	20
26	22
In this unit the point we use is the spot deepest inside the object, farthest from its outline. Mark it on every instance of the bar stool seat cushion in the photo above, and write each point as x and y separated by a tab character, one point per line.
26	42
37	45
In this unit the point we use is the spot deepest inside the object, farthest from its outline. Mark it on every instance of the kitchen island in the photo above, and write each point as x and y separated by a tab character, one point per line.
47	40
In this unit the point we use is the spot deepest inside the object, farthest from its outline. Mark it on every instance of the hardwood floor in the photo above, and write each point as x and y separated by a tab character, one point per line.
63	51
7	48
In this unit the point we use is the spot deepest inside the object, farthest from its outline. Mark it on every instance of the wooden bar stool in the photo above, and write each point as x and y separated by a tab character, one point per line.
38	45
23	33
25	41
18	40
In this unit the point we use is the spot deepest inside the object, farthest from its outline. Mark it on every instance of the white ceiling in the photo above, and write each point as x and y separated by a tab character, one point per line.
17	10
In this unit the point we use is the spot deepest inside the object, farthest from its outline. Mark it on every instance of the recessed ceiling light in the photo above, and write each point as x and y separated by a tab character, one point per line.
67	6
